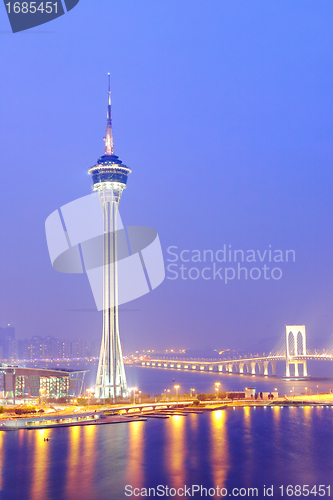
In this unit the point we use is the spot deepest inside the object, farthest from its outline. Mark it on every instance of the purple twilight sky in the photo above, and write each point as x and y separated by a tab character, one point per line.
223	111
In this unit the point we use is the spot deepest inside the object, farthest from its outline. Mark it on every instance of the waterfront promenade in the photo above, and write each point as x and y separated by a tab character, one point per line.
113	414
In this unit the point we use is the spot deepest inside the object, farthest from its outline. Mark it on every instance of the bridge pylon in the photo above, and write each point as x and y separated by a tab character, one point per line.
294	351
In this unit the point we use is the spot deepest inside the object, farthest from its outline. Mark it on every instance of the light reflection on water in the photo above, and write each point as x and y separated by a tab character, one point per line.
74	460
40	461
219	448
135	456
175	450
1	457
245	447
248	441
89	448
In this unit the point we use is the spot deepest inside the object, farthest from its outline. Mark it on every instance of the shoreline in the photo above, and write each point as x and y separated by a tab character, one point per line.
129	413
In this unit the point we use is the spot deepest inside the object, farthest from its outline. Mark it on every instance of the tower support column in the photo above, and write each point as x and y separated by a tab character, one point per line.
111	378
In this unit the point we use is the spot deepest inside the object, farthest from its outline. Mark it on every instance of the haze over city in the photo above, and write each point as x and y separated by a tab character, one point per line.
223	113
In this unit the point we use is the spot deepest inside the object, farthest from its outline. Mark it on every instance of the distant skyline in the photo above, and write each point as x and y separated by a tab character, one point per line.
223	110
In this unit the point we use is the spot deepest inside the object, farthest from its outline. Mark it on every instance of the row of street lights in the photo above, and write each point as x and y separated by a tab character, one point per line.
306	391
166	391
177	387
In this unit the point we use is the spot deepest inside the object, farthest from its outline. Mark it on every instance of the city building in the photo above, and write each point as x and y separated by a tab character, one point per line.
51	348
7	342
32	383
79	348
109	177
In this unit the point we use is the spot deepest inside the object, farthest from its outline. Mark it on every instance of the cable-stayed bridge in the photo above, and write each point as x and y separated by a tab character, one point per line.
293	349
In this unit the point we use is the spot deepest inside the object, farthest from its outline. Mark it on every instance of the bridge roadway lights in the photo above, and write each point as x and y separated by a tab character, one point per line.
228	367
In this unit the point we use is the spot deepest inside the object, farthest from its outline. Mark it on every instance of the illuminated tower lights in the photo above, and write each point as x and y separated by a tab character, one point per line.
109	178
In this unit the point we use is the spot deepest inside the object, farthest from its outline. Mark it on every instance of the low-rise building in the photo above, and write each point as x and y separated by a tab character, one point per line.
18	382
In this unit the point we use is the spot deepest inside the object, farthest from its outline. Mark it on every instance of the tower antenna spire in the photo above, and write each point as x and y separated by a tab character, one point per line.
108	139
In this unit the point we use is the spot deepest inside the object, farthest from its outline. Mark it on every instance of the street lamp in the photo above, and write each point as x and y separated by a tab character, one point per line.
217	385
89	391
134	389
176	387
317	389
306	390
192	391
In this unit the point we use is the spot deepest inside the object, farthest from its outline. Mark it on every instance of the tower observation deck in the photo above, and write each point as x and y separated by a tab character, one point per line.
109	177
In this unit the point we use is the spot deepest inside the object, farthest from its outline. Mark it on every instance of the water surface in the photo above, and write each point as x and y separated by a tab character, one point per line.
242	447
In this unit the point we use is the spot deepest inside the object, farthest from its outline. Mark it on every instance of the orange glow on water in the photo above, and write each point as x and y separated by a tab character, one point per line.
276	414
21	434
73	474
175	449
247	416
88	436
134	469
219	447
194	457
41	463
249	445
307	413
2	436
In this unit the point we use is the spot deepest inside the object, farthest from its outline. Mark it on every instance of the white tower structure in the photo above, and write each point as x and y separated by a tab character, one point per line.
109	178
296	350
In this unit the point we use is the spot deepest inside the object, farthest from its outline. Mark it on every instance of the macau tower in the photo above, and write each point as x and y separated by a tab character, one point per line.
109	177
